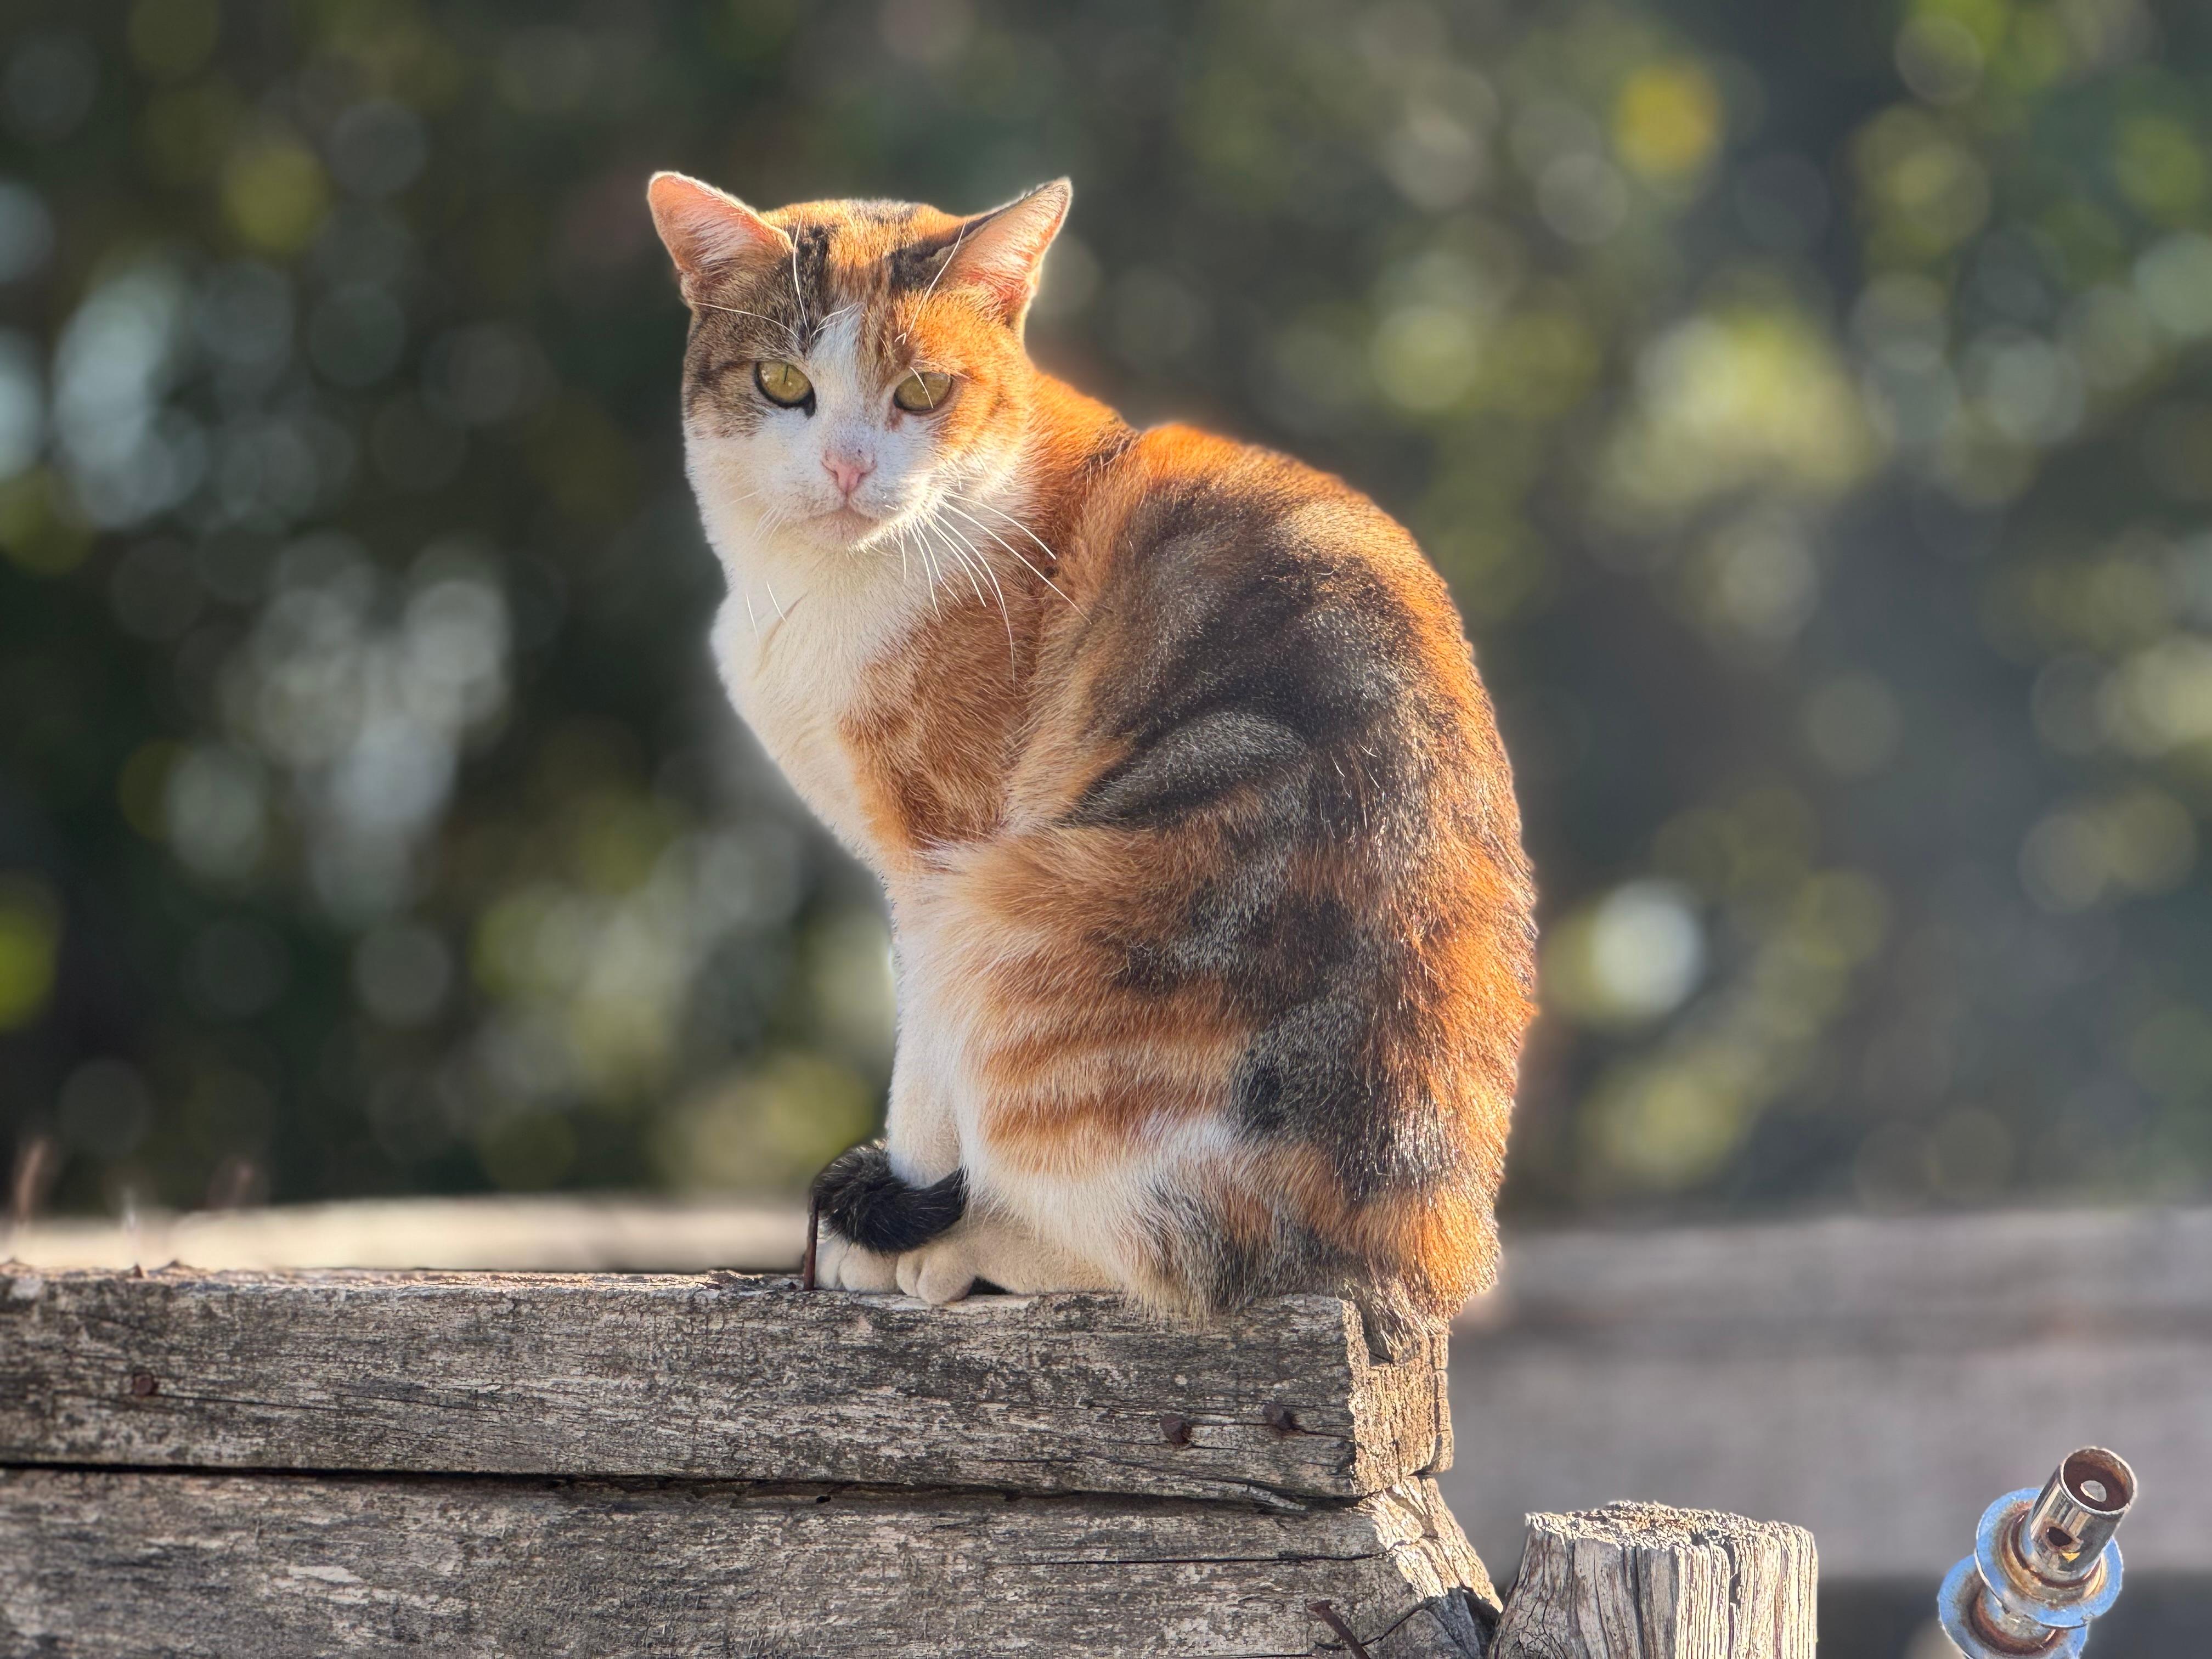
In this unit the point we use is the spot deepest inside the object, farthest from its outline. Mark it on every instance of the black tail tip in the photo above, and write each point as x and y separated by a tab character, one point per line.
862	1198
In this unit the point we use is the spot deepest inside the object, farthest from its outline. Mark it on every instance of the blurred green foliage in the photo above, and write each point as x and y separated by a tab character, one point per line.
1810	404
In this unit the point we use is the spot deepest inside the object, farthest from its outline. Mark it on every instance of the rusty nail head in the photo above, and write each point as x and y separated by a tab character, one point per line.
1281	1419
1175	1429
143	1383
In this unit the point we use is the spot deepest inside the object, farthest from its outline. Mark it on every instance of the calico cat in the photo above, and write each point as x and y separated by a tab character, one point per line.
1212	929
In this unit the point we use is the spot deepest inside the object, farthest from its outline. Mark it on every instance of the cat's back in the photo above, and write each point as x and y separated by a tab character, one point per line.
1180	501
1295	839
1274	608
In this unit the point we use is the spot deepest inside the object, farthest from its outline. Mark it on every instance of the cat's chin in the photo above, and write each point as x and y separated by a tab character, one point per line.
844	528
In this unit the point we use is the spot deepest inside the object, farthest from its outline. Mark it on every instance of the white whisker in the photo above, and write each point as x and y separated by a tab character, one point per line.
973	562
929	563
1013	655
977	501
961	556
957	506
986	530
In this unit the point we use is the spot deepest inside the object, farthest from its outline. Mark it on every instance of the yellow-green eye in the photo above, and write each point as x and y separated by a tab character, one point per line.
782	383
921	390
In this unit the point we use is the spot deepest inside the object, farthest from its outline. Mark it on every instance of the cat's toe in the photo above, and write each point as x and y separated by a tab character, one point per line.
841	1265
937	1272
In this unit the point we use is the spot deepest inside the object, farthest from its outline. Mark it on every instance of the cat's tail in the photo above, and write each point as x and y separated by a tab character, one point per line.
862	1198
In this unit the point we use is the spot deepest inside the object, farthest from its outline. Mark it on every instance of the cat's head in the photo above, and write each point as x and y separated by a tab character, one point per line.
853	366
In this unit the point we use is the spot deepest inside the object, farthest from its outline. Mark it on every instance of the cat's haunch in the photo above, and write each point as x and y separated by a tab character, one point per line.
1213	933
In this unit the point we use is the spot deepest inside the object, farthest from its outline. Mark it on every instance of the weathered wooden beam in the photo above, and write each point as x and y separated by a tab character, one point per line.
116	1565
1928	1355
506	1233
1641	1581
723	1378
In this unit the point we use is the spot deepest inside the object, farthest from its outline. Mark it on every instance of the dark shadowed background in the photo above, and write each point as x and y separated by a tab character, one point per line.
1810	404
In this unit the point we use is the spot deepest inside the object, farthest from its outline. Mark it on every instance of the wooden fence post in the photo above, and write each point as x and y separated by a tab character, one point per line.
1641	1581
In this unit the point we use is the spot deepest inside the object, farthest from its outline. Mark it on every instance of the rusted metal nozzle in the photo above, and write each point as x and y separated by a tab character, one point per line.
2044	1564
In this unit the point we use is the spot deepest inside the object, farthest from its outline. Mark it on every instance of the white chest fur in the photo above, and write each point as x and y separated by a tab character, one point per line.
792	664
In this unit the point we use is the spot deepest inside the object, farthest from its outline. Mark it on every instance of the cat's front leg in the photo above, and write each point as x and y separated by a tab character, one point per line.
878	1201
988	1247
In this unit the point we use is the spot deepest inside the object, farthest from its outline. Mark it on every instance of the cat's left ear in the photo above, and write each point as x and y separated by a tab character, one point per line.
1001	252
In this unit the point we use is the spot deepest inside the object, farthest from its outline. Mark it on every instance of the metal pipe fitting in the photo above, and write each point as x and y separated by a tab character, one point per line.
2044	1564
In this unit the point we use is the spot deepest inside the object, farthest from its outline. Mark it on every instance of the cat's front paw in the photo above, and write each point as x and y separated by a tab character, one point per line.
942	1271
841	1265
860	1197
997	1255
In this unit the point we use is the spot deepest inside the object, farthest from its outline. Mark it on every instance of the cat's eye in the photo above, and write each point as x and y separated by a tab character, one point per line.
922	390
782	383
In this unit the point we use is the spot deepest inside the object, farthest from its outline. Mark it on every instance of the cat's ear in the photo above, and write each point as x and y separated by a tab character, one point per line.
705	230
1002	252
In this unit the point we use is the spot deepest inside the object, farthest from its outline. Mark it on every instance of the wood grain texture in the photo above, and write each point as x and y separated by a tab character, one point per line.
102	1565
1643	1581
723	1378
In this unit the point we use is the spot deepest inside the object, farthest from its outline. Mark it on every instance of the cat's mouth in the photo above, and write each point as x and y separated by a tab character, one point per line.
846	524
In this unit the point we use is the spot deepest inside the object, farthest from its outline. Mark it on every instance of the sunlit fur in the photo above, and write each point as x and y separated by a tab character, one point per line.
1211	923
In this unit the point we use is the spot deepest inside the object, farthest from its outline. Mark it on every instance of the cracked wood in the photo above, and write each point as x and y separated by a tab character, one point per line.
1643	1581
104	1565
724	1377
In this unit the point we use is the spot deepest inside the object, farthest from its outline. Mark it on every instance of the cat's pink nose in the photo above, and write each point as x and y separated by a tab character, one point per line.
845	473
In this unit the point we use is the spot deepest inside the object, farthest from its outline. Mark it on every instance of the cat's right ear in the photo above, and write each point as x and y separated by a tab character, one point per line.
707	230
